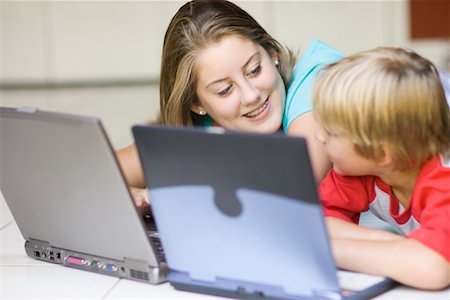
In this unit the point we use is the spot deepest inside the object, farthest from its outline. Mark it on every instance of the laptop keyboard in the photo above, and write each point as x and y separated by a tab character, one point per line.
156	241
154	237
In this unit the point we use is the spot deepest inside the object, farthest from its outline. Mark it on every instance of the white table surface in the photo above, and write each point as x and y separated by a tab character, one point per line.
24	278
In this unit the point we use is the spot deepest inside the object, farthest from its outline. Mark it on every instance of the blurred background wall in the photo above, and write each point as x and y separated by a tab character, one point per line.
102	58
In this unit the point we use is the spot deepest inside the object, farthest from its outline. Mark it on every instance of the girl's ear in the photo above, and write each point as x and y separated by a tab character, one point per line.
275	58
198	109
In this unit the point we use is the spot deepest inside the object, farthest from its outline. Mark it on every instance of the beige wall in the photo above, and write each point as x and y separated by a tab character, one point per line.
66	41
73	40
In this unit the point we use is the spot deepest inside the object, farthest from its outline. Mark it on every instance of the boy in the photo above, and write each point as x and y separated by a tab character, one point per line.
386	128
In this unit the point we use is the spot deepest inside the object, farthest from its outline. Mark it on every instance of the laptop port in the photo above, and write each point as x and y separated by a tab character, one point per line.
75	260
94	264
110	268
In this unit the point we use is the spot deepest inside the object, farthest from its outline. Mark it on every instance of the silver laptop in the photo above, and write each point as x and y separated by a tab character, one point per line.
63	185
239	216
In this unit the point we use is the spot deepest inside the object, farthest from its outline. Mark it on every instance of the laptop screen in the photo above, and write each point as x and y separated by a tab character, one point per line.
237	210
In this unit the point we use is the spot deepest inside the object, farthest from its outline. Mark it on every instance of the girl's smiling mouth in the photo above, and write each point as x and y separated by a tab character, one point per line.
260	112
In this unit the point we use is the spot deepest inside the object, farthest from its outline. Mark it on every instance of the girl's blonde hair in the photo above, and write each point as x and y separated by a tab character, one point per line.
386	97
196	25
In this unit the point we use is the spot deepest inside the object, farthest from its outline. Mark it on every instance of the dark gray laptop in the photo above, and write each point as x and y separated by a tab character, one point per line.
63	185
239	216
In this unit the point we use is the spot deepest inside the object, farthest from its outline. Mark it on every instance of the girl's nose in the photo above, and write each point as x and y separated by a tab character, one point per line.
250	94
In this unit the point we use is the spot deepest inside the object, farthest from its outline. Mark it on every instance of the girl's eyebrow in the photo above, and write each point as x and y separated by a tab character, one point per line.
255	55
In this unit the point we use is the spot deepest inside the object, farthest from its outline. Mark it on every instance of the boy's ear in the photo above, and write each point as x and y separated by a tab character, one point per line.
384	154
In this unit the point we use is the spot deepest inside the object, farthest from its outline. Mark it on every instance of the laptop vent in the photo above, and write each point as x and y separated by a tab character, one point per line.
139	275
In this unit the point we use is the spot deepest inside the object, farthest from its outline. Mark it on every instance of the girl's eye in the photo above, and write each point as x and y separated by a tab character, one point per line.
256	70
225	91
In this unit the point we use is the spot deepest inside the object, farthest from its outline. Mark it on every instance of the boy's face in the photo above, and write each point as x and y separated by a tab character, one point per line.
346	161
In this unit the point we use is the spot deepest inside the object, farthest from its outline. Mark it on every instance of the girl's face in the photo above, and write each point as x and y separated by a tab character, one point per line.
239	86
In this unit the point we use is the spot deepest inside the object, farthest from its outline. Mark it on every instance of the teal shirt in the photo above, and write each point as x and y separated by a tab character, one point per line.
299	93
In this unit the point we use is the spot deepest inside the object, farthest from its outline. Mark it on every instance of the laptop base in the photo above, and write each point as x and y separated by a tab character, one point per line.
241	294
241	289
223	293
128	268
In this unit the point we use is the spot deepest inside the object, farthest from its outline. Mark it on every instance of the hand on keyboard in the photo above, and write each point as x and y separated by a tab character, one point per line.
141	200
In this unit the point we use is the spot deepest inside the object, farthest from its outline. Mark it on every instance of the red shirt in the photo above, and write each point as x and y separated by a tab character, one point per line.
427	217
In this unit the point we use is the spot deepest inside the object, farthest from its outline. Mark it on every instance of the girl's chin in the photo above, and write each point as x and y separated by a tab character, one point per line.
270	126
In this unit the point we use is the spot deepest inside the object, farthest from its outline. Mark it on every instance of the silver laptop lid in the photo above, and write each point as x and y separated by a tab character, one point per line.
63	185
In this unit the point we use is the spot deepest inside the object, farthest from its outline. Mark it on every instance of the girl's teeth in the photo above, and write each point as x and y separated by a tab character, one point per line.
258	111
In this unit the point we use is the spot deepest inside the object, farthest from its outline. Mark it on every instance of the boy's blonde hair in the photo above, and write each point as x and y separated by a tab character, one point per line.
386	97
